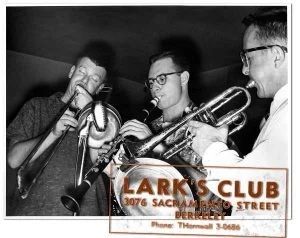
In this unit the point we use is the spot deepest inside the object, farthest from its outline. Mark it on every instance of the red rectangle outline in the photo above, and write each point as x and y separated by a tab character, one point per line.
286	198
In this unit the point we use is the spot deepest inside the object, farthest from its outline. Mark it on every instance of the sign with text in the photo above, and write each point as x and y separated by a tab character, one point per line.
160	199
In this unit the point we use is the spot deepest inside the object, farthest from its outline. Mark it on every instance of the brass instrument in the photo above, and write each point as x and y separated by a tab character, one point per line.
83	135
72	201
30	171
141	148
237	117
205	112
152	169
145	167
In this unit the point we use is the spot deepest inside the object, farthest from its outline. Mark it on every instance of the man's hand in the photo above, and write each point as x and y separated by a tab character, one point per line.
67	119
205	135
82	98
104	148
135	128
95	153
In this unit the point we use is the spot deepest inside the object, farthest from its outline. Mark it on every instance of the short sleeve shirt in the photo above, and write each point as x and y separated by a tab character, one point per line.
57	178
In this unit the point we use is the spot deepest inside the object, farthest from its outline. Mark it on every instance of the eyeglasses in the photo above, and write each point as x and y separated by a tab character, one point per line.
160	79
245	59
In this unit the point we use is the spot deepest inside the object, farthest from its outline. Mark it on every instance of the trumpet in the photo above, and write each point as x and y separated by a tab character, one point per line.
235	117
141	148
205	112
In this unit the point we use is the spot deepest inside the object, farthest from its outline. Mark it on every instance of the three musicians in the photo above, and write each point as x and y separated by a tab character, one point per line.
265	62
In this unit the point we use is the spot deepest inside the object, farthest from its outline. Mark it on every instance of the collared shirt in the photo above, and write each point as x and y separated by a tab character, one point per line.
57	178
269	151
271	147
187	154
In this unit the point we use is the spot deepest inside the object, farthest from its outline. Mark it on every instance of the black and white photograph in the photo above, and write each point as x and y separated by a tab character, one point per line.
153	119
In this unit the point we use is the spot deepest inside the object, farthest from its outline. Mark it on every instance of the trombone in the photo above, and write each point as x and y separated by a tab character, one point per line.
141	148
29	171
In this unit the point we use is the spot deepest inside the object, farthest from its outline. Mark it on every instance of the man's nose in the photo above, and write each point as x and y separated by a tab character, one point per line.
156	86
245	70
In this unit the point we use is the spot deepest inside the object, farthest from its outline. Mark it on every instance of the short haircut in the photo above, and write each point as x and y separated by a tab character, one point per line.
180	60
271	22
99	53
95	57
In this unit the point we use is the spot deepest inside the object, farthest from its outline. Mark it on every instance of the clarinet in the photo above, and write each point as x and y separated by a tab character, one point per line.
149	108
72	201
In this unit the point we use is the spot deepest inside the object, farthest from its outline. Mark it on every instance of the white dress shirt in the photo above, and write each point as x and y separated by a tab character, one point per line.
271	147
269	151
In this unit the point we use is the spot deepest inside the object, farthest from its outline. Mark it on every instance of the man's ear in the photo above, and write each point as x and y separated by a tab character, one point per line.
279	56
72	71
185	76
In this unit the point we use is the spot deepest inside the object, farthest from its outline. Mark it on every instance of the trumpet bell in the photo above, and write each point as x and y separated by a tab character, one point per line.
109	128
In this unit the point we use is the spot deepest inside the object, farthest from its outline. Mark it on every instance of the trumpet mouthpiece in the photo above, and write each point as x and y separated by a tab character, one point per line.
250	84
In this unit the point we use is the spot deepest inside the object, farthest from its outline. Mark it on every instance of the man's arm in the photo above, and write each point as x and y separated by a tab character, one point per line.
18	151
20	146
141	131
270	151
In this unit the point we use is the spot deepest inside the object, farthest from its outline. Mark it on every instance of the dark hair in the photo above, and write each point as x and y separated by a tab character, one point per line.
271	22
99	53
180	60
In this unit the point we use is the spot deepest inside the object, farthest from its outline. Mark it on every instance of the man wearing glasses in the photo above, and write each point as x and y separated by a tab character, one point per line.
168	80
265	61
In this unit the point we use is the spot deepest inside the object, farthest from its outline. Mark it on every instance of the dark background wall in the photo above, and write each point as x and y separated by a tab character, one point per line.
31	76
42	43
28	76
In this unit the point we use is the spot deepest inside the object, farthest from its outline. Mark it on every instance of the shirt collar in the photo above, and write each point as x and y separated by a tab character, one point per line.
159	122
280	97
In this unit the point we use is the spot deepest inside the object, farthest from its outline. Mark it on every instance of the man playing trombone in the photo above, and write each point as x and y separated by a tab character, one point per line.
87	78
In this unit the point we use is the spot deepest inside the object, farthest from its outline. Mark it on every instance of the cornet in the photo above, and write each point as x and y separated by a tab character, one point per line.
236	117
141	148
206	113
